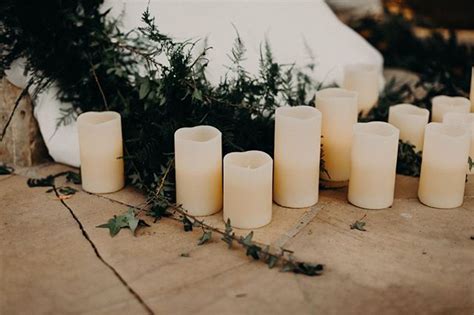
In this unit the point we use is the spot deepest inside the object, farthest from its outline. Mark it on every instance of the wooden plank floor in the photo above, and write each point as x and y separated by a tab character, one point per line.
412	259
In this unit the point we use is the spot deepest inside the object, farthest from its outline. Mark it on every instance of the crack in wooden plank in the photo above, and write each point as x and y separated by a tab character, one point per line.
99	256
302	222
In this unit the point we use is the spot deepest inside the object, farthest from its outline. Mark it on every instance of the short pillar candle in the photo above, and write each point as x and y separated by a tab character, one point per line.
411	121
339	114
373	165
443	104
101	151
466	120
198	164
443	166
248	189
297	156
363	79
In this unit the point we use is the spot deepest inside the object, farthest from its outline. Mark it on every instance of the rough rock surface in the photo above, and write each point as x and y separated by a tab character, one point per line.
23	144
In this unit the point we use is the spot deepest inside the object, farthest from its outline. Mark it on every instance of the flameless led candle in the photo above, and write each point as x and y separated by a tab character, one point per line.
466	120
339	113
411	121
373	165
297	153
443	167
101	151
248	189
198	164
443	104
363	79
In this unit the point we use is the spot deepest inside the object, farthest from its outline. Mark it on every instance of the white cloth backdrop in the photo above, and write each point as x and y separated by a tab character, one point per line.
292	27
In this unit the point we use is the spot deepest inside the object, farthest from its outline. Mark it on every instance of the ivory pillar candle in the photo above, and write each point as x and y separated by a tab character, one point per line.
296	156
339	113
373	165
248	189
443	167
443	104
466	120
101	151
363	79
411	121
198	161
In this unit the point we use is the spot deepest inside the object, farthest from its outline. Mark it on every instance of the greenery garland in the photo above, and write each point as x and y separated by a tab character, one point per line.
96	66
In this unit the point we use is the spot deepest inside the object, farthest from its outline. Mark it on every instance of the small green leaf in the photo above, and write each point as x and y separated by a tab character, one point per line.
358	225
470	162
228	234
132	220
197	95
271	261
126	220
6	170
247	240
187	224
254	251
206	237
73	177
66	190
144	89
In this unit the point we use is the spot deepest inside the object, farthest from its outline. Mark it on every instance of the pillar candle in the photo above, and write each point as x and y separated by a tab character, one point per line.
363	79
297	153
198	161
443	167
411	121
248	189
373	165
443	104
339	113
471	96
466	120
101	151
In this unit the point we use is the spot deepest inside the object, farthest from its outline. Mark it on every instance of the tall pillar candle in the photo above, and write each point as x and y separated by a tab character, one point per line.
443	166
101	151
248	189
198	160
363	79
296	156
466	120
411	121
443	104
373	165
339	113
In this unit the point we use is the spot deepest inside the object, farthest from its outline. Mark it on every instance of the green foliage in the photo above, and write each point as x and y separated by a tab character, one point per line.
409	160
97	67
126	220
444	65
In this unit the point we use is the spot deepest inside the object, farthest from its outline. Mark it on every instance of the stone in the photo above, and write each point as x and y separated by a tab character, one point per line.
22	144
412	259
